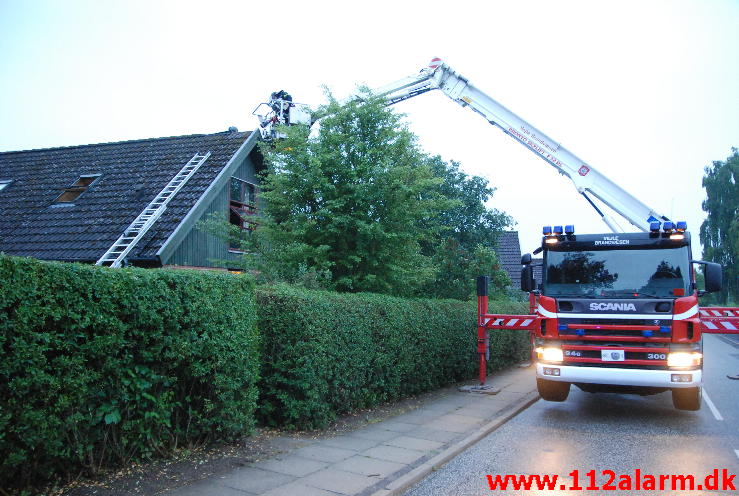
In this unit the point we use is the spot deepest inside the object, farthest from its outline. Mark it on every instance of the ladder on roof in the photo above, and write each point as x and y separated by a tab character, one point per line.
141	224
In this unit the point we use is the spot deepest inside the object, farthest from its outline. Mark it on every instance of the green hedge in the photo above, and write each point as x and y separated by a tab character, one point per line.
100	366
328	353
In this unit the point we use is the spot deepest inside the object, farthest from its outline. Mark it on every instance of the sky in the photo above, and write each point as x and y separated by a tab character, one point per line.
646	92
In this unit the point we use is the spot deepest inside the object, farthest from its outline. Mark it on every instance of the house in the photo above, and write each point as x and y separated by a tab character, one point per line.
72	203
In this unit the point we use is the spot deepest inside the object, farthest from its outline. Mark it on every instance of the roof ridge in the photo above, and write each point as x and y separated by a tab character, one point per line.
139	140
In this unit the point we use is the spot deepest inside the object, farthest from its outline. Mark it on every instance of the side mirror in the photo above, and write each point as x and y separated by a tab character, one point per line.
714	277
526	259
528	283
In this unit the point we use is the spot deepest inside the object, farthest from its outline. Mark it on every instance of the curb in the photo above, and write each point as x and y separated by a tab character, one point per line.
402	483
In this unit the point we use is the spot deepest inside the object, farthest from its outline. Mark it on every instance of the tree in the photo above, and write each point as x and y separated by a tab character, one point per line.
464	247
358	207
719	233
357	200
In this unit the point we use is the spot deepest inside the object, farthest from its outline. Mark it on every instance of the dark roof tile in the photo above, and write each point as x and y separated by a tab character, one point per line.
132	173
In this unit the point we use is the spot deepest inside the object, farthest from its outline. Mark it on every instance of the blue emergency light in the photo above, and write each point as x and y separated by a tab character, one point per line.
558	230
682	226
546	230
654	226
668	226
570	229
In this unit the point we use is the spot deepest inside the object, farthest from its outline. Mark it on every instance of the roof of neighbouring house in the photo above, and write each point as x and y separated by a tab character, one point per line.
131	173
509	254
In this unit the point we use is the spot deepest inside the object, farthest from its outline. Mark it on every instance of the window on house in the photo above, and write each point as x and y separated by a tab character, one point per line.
75	190
242	205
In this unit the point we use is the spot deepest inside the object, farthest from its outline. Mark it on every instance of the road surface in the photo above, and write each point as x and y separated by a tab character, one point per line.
611	432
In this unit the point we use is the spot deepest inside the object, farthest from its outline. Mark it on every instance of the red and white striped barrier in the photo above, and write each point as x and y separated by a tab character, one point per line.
517	322
719	320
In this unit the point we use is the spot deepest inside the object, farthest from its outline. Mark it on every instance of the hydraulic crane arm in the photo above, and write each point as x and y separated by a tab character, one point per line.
586	179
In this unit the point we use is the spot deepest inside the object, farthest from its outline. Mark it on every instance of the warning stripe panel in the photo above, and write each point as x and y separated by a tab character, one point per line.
518	322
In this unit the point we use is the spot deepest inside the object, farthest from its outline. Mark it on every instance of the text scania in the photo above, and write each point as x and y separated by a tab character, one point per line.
620	307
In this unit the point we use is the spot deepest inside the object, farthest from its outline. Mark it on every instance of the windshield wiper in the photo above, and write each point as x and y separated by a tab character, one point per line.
621	294
573	295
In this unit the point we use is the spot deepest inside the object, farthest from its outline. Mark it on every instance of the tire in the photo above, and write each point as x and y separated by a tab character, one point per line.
552	390
687	398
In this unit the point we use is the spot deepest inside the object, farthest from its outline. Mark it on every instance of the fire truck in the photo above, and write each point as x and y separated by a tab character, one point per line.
614	312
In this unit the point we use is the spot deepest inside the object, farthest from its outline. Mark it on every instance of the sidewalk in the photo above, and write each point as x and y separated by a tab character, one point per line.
384	458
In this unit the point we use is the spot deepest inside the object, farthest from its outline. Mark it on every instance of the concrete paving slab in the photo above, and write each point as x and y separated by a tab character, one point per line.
339	481
418	417
379	434
451	426
207	488
394	454
370	467
414	443
298	489
297	466
254	480
349	442
397	425
479	411
433	434
459	419
324	453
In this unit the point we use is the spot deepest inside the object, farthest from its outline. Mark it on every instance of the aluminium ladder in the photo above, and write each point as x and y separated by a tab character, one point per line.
141	224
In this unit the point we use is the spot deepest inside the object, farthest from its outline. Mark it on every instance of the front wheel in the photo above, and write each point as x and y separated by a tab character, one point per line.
687	398
552	390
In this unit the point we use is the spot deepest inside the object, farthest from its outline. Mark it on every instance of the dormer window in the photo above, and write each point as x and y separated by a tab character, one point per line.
75	190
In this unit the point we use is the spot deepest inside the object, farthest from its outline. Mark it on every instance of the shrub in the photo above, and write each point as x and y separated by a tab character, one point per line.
101	366
329	353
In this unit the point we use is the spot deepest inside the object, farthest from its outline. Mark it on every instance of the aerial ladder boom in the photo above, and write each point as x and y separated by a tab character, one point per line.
438	75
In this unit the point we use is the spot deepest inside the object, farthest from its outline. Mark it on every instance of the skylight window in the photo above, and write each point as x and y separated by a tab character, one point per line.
3	184
74	191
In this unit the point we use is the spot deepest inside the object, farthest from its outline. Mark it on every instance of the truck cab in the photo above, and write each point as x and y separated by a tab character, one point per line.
619	313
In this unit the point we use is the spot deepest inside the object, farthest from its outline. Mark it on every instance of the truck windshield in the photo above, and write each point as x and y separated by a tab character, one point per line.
662	273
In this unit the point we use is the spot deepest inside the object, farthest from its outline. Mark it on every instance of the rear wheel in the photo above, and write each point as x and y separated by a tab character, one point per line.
552	390
687	398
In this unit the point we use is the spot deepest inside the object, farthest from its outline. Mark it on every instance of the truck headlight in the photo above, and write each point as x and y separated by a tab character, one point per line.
684	359
549	354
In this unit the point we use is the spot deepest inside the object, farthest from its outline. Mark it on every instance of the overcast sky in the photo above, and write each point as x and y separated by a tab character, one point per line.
646	92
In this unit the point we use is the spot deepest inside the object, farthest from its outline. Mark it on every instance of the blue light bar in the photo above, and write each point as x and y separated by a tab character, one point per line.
668	226
558	230
570	229
546	230
646	334
654	226
682	226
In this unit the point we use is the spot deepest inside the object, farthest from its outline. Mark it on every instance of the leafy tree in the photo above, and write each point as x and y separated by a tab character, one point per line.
719	233
358	207
463	249
357	200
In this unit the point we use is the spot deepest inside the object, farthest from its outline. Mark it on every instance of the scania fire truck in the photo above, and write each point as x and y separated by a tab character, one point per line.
612	312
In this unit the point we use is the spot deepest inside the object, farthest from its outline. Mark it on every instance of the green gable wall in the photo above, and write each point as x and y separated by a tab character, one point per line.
195	248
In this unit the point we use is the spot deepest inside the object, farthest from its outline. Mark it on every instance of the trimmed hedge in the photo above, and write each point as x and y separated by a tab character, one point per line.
100	366
327	353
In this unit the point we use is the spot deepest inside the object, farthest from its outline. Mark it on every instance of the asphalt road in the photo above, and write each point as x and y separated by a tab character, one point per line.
614	432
